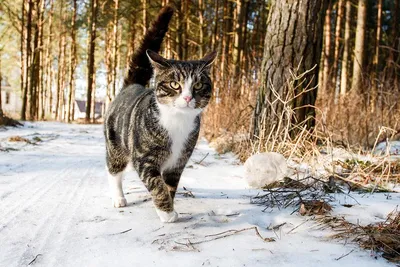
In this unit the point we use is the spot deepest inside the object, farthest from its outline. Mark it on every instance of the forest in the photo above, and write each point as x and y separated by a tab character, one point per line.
335	70
298	157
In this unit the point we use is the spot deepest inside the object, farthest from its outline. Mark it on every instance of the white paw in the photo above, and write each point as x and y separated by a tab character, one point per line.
167	217
119	202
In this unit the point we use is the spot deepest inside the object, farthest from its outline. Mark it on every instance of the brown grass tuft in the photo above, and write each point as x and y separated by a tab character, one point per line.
383	237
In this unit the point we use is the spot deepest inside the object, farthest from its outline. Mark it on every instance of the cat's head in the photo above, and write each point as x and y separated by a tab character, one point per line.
182	84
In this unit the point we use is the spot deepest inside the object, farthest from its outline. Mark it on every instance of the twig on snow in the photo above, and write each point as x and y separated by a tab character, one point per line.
344	255
123	232
34	259
199	162
233	232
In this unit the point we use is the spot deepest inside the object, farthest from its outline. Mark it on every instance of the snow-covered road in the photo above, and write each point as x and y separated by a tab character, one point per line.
55	211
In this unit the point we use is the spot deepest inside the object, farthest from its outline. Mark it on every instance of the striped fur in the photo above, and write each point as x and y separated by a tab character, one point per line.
156	129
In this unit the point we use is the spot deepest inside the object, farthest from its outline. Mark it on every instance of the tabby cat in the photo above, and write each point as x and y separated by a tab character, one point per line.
156	129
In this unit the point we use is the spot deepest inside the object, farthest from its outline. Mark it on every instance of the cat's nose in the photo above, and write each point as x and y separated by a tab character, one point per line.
187	98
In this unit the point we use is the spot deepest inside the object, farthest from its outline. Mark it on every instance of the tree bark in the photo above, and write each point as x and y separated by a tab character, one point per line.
327	51
27	59
356	83
91	50
345	61
1	79
72	66
293	42
339	20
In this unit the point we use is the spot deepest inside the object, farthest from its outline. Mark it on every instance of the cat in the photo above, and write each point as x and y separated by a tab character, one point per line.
156	129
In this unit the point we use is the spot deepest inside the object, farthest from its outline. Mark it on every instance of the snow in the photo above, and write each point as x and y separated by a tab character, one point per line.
390	147
265	168
55	210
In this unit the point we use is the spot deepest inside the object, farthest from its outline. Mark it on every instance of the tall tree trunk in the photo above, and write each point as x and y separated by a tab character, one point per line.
346	48
60	69
34	76
326	55
214	37
356	83
339	19
91	50
293	41
115	51
108	64
201	28
394	54
42	66
240	11
72	66
226	39
375	61
22	50
48	94
1	79
27	59
144	16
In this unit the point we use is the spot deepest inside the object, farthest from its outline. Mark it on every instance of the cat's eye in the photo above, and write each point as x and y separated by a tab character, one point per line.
175	85
198	86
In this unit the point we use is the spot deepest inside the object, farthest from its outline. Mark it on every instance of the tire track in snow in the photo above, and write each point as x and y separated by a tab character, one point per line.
30	198
14	188
52	230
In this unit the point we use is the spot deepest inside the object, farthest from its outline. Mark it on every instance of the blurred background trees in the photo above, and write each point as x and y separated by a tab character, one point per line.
65	59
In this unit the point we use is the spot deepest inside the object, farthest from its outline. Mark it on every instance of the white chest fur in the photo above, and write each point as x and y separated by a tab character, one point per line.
179	123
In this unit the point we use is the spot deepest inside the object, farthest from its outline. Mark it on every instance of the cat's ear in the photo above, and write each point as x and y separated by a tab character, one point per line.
156	60
209	59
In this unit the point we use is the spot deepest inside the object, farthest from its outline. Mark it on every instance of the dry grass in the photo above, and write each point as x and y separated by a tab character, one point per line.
18	138
351	124
383	237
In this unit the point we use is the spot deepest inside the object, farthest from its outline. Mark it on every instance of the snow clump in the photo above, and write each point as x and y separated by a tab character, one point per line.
265	168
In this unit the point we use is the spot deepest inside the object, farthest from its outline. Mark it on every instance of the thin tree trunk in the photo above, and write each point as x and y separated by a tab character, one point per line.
356	83
27	60
91	50
327	50
108	63
49	68
72	66
1	79
214	37
22	49
345	61
375	61
115	50
201	28
144	16
339	19
60	72
237	40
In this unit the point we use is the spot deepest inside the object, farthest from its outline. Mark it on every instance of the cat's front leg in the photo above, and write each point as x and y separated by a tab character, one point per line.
171	178
162	199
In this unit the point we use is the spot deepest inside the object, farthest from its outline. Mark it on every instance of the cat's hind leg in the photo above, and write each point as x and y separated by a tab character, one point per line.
115	174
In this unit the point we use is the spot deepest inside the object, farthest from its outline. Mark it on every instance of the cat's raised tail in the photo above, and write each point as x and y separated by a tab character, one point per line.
140	70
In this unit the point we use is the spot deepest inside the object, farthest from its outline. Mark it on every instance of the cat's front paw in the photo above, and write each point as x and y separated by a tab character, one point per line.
119	202
167	217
